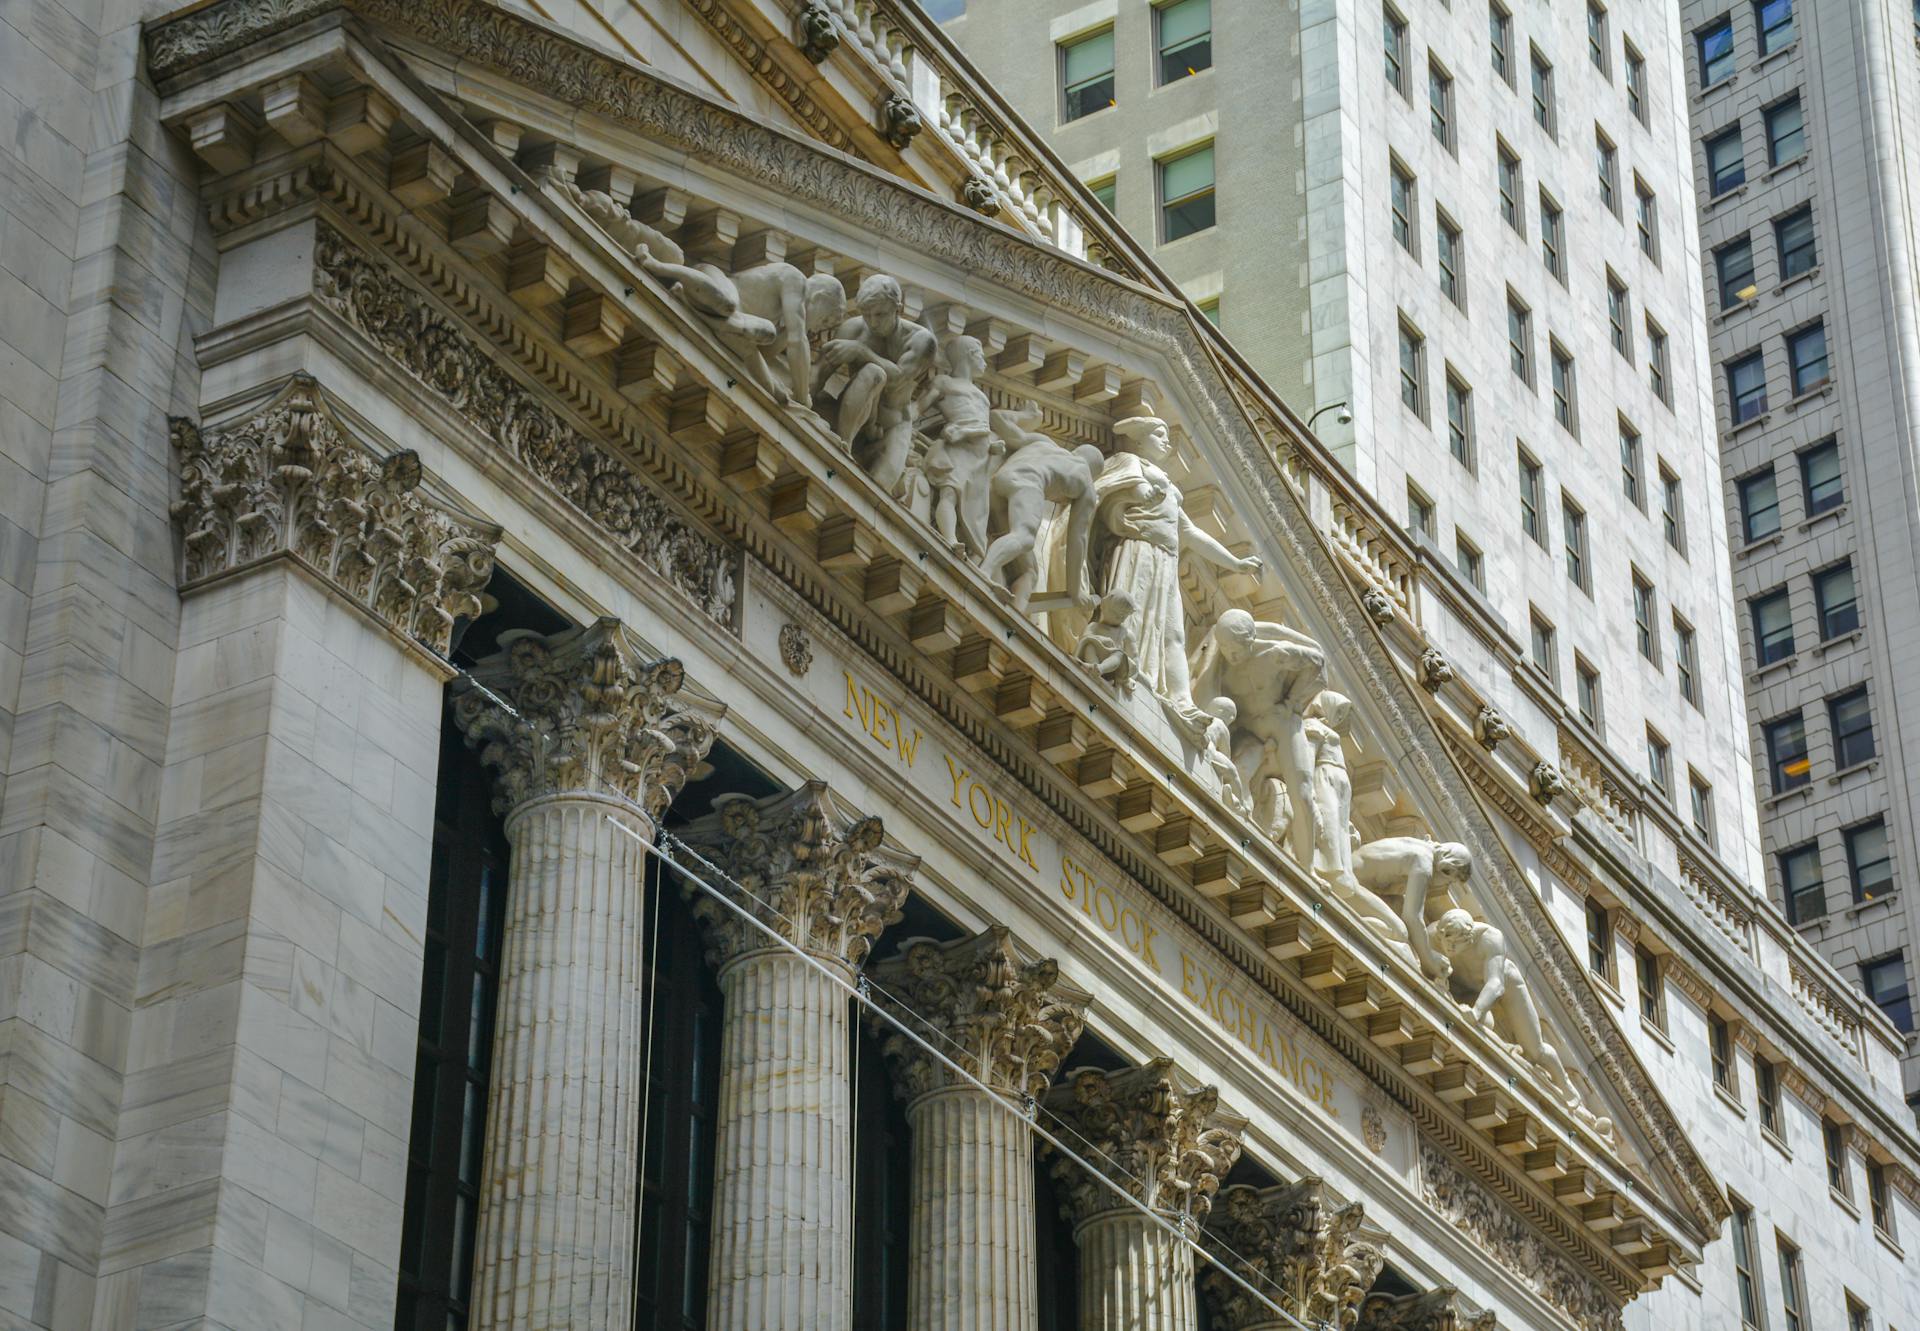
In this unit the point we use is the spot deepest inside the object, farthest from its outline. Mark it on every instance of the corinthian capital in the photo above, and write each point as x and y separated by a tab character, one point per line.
1007	1020
579	712
819	877
289	482
1440	1309
1315	1261
1166	1145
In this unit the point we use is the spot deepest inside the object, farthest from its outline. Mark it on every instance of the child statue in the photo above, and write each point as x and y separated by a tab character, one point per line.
1107	646
957	465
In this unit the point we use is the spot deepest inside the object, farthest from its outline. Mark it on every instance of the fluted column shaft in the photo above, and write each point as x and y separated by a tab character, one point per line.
1134	1275
971	1243
783	1181
555	1241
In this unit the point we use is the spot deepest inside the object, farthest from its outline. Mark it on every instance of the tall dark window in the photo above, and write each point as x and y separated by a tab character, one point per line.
1056	1265
1787	765
881	1186
1820	478
1801	887
1186	38
1759	506
1086	74
1793	237
1837	600
1772	626
1715	44
1851	716
1885	981
1726	162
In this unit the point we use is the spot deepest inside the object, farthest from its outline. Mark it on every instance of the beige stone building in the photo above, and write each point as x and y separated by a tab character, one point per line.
653	679
1803	152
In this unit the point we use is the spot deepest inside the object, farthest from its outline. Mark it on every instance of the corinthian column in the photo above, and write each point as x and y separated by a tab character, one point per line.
591	740
822	881
1316	1262
1009	1022
1167	1147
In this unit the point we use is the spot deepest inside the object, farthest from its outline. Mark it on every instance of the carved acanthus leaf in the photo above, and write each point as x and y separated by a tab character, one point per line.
1440	1309
1005	1019
289	481
1315	1261
1167	1146
819	877
580	712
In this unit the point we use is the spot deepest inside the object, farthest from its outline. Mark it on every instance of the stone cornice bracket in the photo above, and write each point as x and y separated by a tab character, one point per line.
1436	672
1440	1309
819	34
821	878
1167	1146
1490	728
290	482
1546	782
1316	1261
584	714
899	120
1005	1019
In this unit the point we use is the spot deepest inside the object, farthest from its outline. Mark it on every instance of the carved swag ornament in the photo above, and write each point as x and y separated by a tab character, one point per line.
289	482
588	718
820	878
1007	1020
1313	1260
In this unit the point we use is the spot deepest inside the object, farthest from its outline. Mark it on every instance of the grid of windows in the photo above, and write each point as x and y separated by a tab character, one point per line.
1803	895
1186	193
1086	73
1185	38
1788	767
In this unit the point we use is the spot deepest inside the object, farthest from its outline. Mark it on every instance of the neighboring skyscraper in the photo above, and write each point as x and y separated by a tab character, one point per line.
1463	239
1807	164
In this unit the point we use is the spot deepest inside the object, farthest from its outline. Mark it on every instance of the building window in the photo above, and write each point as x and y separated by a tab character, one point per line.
1660	764
1619	306
1643	633
1564	403
1552	236
1726	163
1786	132
1747	387
1759	506
1820	478
1597	37
1646	973
1834	596
1793	237
1788	767
1107	191
1420	516
1186	193
1803	893
1086	73
1734	264
1606	168
1772	627
1632	484
1185	38
1542	91
1773	21
1807	358
1879	1188
1447	242
1468	559
1715	44
1530	492
1599	940
1789	1279
1500	38
1646	218
1686	660
1400	198
1210	310
1869	860
1396	47
1672	510
1885	981
1833	1141
1636	83
1510	187
1586	691
1720	1050
1858	1319
1700	801
1742	1233
1413	371
1573	526
1852	718
1440	103
1657	362
1459	420
1766	1094
1520	338
1546	651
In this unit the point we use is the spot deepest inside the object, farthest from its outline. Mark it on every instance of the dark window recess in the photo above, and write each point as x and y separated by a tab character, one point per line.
1056	1257
882	1147
1820	476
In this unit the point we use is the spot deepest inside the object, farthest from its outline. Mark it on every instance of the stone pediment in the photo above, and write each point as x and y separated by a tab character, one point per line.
462	160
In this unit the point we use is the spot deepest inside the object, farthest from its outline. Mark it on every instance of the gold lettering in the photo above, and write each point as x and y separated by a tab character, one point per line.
1126	936
857	697
1186	978
1002	815
1266	1047
1026	844
1105	911
959	774
1146	946
908	747
975	793
1249	1025
881	735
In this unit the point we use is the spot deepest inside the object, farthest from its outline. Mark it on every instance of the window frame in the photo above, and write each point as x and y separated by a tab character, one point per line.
1440	105
1573	532
1210	192
1769	118
1636	81
1879	1188
1532	496
1765	36
1510	179
1563	382
1825	611
1543	645
1727	272
1161	51
1720	1057
1743	491
1540	87
1776	644
1850	838
1500	40
1599	939
1449	245
1746	1277
1646	609
1798	372
1068	115
1553	232
1857	743
1781	757
1588	685
1460	432
1833	1149
1673	508
1470	561
1606	161
1802	214
1422	514
1651	983
1700	807
1395	35
1792	1282
1646	218
1660	764
1403	184
1659	373
1413	384
1633	471
1750	404
1619	316
1796	889
1686	659
1816	504
1718	29
1721	181
1520	339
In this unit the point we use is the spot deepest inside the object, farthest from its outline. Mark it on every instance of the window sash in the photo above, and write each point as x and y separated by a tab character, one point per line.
1759	506
1786	132
1807	356
1500	37
1820	478
1716	53
1839	602
1573	525
1869	860
1787	761
1726	163
1794	238
1774	21
1851	716
1773	627
1088	58
1734	264
1803	893
1747	385
1542	93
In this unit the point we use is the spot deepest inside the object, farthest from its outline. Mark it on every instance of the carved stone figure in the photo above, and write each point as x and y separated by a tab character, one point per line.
1546	782
1408	868
1035	475
1317	1262
763	314
611	216
1332	792
980	195
819	36
1490	728
957	465
1271	672
1502	1002
1217	751
1107	645
1436	672
1142	533
899	119
1378	605
885	358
